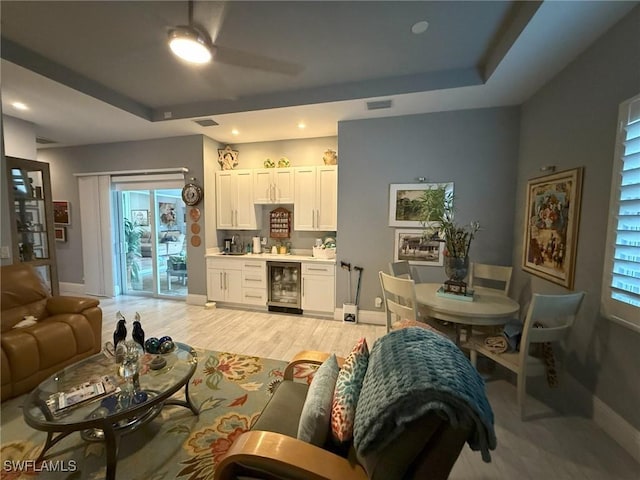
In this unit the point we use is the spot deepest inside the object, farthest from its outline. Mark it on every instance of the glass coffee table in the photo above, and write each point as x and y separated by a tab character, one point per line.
108	417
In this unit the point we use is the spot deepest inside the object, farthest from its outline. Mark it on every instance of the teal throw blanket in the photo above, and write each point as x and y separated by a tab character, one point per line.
413	371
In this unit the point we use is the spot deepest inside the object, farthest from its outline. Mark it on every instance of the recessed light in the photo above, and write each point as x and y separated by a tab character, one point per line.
301	125
19	106
419	27
235	131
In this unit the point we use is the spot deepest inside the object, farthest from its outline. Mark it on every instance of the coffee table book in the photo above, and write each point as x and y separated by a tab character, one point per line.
466	297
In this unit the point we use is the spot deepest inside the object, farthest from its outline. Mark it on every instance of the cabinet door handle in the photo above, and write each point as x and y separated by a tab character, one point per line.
303	286
273	192
252	296
317	218
226	282
318	269
221	282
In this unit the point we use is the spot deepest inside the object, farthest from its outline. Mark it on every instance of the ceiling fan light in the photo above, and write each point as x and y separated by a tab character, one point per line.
188	44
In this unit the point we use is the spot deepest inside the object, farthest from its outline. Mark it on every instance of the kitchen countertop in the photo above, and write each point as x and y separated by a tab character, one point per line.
297	257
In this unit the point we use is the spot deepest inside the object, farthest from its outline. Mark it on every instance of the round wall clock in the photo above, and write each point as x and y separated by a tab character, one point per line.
191	194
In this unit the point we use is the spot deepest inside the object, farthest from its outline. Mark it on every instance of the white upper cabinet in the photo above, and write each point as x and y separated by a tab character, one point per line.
273	185
235	209
316	198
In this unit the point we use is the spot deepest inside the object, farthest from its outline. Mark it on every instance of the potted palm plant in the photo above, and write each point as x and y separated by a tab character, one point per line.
437	212
132	234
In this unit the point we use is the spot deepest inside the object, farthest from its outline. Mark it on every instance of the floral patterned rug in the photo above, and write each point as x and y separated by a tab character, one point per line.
229	389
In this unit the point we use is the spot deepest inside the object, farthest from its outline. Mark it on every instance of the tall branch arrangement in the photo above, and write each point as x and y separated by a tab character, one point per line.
437	212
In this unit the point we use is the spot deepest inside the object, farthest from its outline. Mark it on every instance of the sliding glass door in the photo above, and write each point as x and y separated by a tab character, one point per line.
154	253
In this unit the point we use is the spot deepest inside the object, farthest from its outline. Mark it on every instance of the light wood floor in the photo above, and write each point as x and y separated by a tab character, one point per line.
548	446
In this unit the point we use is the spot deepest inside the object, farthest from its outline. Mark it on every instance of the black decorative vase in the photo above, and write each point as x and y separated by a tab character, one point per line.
456	268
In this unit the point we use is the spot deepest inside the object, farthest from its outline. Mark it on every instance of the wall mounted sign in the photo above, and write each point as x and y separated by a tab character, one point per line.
280	223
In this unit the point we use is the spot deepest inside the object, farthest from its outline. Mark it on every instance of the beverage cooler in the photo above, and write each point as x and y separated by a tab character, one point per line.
284	287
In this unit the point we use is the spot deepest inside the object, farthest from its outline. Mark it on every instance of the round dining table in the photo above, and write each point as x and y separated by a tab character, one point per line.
487	308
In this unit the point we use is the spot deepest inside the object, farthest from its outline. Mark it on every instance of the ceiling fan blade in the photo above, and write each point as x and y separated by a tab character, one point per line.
239	58
209	16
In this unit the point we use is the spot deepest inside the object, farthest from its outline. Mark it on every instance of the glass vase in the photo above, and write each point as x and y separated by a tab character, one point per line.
456	268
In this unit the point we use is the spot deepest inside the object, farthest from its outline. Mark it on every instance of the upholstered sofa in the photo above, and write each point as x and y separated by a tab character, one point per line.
58	331
418	424
170	242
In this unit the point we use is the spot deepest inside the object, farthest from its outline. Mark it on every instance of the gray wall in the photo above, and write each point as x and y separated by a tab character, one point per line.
475	149
173	152
571	122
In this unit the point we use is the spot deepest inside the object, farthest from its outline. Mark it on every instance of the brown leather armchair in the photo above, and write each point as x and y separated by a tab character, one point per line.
67	329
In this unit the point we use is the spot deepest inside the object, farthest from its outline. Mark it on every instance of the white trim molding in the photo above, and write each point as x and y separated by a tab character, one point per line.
610	422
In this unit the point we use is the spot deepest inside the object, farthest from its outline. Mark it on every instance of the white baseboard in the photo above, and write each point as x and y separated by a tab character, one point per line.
608	420
193	299
72	289
371	317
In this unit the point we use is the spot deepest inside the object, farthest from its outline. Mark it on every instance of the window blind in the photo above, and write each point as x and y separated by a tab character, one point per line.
622	301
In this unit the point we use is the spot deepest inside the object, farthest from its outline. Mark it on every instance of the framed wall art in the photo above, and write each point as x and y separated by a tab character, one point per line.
141	217
167	213
60	234
61	212
551	226
416	248
405	206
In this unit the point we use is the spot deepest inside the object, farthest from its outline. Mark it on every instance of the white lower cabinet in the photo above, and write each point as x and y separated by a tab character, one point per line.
224	280
245	282
318	287
254	283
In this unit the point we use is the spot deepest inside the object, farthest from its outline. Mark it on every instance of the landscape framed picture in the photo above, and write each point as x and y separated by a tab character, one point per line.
61	212
551	226
405	205
416	247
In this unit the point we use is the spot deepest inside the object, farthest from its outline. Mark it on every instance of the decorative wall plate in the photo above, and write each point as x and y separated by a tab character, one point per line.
227	158
194	213
196	240
195	228
191	194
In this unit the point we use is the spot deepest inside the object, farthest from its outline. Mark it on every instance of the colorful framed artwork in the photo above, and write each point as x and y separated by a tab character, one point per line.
61	212
416	247
140	217
551	226
60	234
405	205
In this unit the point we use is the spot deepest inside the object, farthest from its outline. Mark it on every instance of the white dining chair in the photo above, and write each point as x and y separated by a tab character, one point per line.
490	278
402	308
556	314
400	269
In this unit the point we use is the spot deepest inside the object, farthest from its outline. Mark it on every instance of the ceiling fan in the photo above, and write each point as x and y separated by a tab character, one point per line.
193	43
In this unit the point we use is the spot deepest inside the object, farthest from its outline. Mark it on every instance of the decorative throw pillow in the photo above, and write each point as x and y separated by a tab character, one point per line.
347	391
316	412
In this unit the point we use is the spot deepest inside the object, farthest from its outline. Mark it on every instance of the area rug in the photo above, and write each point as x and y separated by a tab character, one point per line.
230	391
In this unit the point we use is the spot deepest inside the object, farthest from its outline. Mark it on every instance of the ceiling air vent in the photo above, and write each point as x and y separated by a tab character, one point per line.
44	141
379	105
206	122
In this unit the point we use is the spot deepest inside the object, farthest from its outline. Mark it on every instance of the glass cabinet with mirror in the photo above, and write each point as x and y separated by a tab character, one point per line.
31	212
